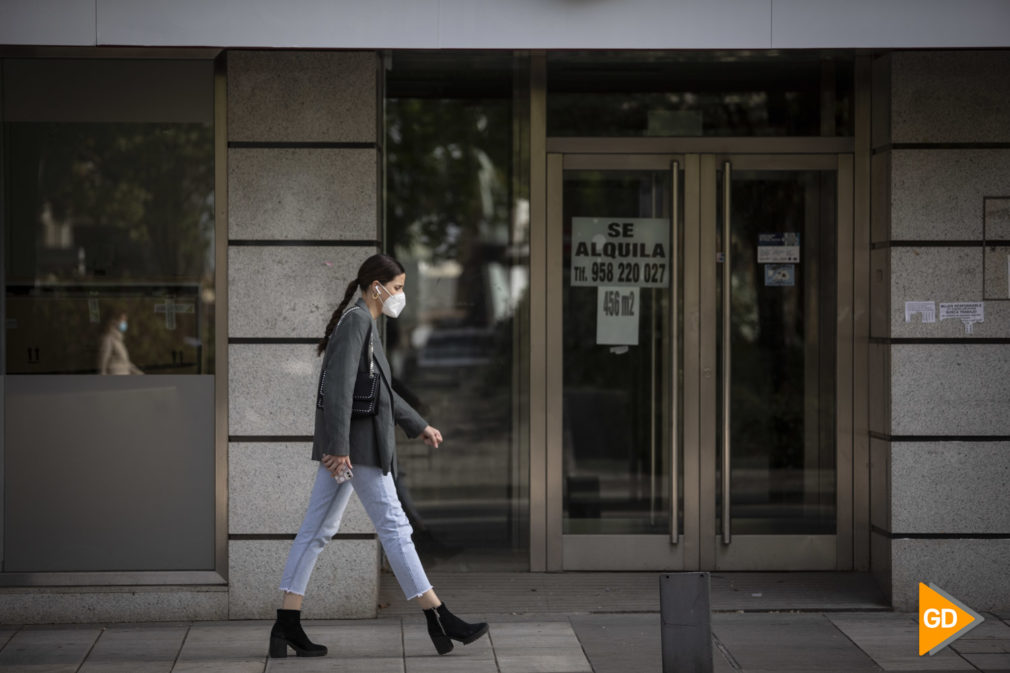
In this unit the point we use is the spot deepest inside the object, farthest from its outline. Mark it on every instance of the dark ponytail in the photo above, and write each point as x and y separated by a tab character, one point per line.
382	268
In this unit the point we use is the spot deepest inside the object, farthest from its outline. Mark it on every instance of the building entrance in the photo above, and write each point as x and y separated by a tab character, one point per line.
694	415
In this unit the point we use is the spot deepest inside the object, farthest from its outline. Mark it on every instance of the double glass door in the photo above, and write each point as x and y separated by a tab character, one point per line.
692	342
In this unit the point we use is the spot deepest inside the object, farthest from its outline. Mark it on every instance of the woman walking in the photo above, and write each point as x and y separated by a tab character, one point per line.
355	411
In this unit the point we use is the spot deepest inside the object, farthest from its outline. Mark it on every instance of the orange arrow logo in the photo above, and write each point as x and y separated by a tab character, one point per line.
942	619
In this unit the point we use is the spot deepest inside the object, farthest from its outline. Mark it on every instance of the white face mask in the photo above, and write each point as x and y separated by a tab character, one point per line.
395	304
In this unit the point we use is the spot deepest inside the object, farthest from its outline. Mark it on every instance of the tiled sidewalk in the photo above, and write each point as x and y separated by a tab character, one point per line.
370	646
753	642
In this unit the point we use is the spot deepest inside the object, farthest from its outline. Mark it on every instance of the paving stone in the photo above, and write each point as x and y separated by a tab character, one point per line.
230	643
520	634
892	640
621	643
971	646
991	628
53	649
358	640
562	662
788	642
990	662
6	633
136	648
218	666
450	663
337	664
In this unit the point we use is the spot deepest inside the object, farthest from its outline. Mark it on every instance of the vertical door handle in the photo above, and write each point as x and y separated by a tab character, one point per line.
675	344
727	178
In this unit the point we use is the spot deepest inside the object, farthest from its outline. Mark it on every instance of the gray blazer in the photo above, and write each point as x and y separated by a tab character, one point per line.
370	440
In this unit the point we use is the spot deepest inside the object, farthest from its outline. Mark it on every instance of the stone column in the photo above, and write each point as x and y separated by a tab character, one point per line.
303	204
939	395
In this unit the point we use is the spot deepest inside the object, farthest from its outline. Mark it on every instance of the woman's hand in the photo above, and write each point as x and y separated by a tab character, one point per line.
334	463
431	437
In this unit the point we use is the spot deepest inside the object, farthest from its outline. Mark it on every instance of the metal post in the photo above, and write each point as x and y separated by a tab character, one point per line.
686	622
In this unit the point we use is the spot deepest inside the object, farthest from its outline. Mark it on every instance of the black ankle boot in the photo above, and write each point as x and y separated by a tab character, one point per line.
444	627
287	630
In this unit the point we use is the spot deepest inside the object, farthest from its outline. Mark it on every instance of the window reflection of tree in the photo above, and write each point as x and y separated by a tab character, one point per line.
449	210
110	213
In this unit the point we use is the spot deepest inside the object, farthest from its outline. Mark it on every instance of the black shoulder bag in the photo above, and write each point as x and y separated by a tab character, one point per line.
366	386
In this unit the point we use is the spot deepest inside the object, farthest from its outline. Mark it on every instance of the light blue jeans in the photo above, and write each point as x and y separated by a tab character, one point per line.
377	493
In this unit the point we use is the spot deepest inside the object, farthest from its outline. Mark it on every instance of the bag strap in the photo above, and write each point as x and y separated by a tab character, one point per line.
371	341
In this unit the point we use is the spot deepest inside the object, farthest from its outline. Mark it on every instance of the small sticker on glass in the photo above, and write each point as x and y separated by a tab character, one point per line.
780	275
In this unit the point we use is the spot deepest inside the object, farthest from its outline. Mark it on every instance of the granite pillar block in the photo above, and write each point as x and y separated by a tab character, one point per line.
306	96
344	584
939	194
950	389
950	487
950	96
288	292
268	490
88	605
303	193
974	571
945	275
272	389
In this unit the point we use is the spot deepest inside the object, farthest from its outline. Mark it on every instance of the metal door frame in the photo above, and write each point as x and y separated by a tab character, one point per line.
595	552
779	552
696	546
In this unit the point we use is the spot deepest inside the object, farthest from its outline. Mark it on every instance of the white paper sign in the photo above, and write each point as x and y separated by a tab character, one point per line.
968	312
778	248
926	309
617	312
626	252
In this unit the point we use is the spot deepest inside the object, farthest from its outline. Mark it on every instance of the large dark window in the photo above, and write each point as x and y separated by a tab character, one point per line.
108	225
456	215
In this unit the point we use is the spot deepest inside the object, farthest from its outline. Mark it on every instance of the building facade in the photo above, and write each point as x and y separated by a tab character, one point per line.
694	285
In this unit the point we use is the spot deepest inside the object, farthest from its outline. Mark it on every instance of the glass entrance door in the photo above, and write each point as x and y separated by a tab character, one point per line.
693	305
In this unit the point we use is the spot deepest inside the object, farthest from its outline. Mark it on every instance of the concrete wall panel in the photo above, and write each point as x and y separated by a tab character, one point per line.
303	194
972	570
939	194
268	490
344	584
950	389
288	291
74	605
950	487
272	389
301	95
951	96
944	275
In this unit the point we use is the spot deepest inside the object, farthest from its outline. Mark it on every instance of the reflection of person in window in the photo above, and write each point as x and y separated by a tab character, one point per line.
113	358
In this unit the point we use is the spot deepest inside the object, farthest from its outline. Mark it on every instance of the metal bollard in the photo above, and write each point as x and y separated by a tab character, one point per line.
686	622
